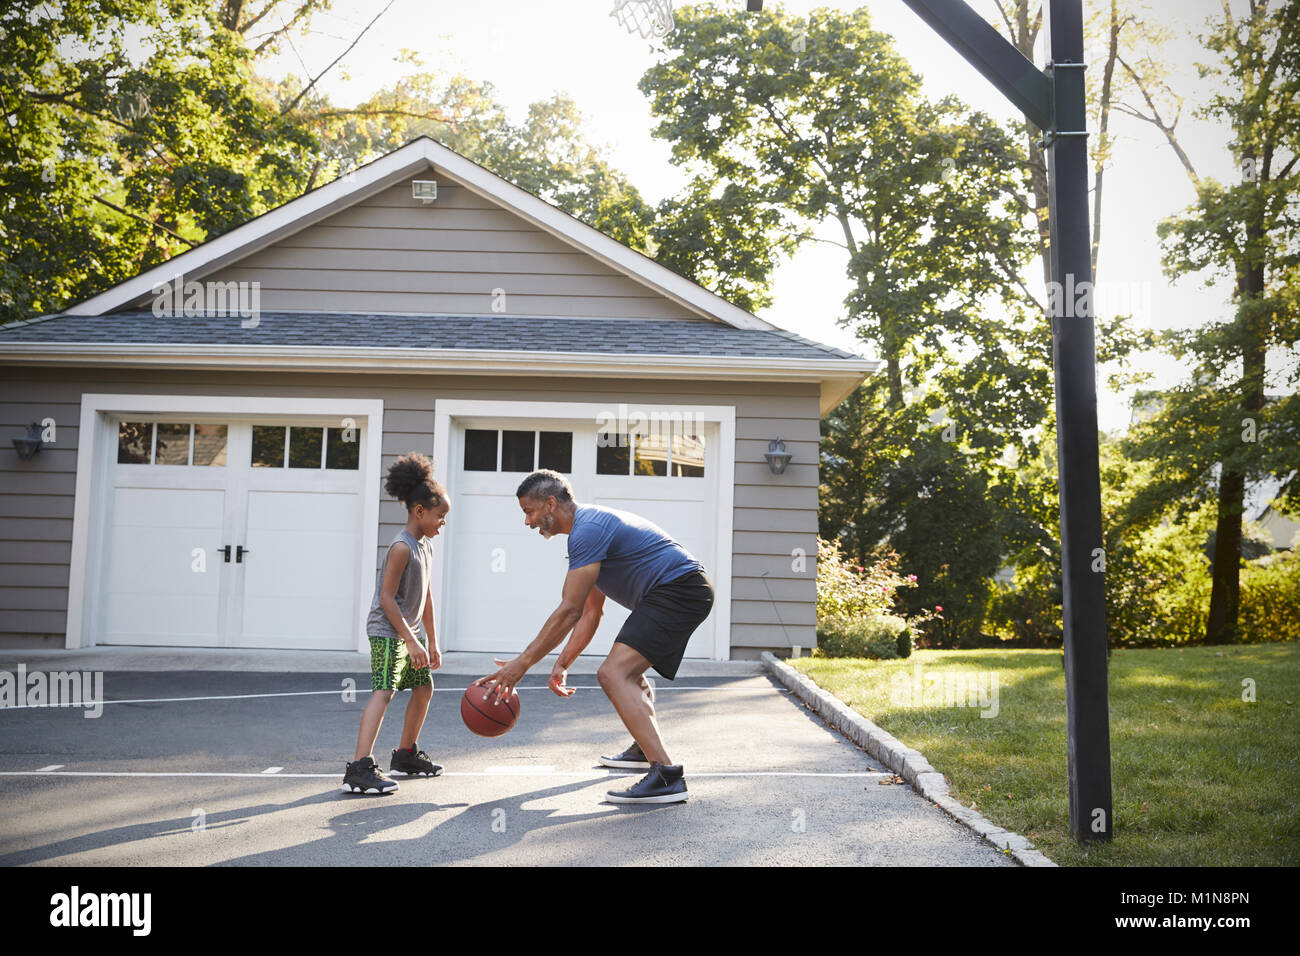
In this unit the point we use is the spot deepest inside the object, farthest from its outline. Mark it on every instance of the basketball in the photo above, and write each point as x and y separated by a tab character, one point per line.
483	715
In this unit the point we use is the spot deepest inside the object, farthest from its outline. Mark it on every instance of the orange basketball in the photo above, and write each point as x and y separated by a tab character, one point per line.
484	715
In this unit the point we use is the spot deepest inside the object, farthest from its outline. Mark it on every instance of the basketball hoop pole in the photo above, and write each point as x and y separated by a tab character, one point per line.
1053	100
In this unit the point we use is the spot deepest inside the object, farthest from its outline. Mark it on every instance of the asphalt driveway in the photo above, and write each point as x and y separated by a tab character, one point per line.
243	768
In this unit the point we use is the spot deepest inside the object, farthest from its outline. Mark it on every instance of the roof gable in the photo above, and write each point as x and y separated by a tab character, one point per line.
616	279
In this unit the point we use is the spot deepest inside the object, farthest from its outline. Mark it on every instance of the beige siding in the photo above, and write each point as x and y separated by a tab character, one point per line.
775	518
391	253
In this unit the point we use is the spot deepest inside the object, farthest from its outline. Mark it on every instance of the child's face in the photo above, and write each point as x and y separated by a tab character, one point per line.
431	520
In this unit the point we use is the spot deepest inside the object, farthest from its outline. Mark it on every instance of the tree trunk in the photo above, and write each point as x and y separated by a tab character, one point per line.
1225	593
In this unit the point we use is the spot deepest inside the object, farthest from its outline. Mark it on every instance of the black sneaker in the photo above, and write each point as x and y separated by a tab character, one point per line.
363	776
415	764
630	759
663	784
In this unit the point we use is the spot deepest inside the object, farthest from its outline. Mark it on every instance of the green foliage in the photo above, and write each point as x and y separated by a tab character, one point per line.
855	604
133	133
1236	419
1270	598
877	636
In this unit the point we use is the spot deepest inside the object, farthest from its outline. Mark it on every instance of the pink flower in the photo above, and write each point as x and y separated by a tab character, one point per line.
862	569
911	577
938	607
884	590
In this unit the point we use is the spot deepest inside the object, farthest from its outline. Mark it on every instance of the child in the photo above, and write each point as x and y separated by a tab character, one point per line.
399	660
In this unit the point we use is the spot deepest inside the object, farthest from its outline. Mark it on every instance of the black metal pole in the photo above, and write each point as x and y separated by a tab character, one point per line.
1074	357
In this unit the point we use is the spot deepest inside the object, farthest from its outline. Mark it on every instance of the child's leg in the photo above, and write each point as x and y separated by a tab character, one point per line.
387	658
371	718
416	709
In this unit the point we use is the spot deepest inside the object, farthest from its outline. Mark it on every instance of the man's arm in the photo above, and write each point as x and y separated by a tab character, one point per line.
578	584
585	629
583	632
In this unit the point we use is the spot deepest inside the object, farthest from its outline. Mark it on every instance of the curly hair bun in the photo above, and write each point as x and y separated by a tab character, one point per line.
411	476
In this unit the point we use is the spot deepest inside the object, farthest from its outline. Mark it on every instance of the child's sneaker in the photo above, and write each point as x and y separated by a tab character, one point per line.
363	776
413	763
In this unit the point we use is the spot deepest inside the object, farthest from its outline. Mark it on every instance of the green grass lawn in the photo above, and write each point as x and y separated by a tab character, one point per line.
1199	777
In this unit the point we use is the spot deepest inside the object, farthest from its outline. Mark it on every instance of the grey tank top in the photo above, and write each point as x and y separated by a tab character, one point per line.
412	589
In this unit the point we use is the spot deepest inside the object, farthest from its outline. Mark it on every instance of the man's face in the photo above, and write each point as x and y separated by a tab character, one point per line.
539	515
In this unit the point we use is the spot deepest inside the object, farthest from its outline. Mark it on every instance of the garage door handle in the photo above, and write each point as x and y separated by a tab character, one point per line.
226	552
239	554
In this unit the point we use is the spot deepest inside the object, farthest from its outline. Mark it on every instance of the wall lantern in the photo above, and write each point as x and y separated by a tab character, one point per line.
425	190
777	457
30	443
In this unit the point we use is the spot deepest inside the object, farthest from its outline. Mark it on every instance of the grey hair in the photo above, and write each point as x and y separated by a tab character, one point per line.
544	484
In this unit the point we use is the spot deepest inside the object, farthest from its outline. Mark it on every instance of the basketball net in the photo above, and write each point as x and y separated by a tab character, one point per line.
646	17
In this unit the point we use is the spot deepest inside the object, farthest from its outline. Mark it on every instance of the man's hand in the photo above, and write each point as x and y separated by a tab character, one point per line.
419	656
558	674
505	680
435	657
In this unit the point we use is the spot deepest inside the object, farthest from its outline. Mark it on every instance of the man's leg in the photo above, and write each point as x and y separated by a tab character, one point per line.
622	677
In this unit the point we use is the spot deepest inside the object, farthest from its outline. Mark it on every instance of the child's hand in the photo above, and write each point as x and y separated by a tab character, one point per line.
419	656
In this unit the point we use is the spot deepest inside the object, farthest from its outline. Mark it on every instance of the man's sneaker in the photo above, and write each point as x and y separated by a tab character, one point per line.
362	776
663	784
415	764
630	759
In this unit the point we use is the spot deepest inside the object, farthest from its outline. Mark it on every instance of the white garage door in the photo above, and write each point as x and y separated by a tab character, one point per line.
505	579
222	533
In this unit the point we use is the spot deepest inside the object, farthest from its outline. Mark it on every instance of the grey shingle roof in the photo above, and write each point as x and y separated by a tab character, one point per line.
342	329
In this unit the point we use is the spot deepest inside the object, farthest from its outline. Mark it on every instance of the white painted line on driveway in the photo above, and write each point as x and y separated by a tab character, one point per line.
490	772
521	768
53	766
325	693
272	770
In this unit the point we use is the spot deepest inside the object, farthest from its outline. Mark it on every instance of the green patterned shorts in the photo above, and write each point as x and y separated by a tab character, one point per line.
390	665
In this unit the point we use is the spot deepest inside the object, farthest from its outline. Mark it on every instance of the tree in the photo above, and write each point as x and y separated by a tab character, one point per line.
131	134
797	121
1220	430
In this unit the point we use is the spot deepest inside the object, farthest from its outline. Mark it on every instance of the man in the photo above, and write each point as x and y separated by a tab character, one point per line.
623	556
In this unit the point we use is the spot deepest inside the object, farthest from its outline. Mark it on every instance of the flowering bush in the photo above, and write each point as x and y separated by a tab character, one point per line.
856	604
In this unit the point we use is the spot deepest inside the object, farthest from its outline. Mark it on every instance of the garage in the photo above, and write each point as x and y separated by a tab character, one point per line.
228	530
499	580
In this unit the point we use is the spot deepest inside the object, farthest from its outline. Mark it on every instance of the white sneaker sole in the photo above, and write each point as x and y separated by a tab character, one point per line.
663	798
407	773
624	764
350	788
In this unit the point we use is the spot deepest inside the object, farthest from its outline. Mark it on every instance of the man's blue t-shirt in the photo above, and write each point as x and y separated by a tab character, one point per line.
634	554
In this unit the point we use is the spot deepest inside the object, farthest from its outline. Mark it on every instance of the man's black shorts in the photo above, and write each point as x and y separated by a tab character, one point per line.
659	627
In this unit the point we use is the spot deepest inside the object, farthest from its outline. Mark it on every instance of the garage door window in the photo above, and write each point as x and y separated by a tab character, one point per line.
513	450
305	446
676	452
171	443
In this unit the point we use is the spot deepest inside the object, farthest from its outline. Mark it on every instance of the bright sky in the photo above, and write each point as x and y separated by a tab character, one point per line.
530	48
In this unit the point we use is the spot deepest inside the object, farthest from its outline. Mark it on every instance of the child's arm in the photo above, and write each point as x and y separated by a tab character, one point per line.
435	652
398	555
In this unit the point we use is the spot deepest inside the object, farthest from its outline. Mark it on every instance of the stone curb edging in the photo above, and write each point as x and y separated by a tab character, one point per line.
909	764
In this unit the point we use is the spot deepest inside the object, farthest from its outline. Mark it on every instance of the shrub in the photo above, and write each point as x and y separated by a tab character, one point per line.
1270	598
878	636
